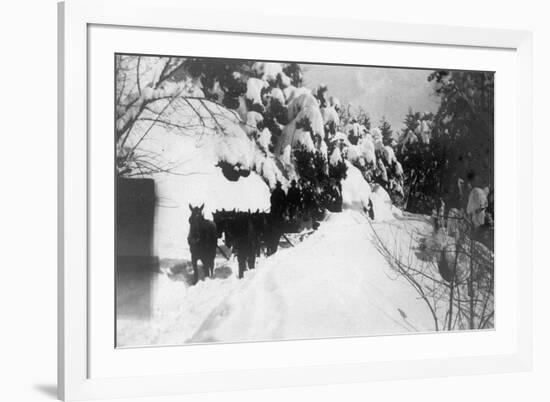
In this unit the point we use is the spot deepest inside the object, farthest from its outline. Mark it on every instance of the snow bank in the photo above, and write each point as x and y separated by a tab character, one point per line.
176	309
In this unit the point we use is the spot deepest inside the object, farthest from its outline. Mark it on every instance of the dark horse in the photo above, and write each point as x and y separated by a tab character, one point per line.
243	233
202	241
270	230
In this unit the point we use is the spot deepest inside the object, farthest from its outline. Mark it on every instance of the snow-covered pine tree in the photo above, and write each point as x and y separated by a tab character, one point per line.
411	121
386	130
363	118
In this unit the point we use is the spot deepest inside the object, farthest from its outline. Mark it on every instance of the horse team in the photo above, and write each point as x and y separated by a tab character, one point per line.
245	233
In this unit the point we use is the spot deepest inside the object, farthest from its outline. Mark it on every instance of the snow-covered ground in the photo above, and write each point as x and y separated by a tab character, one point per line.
333	283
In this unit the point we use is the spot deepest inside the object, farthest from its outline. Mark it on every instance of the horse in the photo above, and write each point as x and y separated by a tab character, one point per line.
243	232
244	239
269	227
203	241
222	219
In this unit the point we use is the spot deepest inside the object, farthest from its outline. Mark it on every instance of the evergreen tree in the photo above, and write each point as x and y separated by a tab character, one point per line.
411	121
294	72
220	74
344	114
386	130
364	118
464	124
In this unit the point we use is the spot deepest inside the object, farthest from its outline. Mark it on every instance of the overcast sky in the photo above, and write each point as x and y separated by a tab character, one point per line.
381	91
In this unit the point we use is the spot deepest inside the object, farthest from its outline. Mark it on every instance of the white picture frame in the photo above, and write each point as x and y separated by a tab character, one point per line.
76	379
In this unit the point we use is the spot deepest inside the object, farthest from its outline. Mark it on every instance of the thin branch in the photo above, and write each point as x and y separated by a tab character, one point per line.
138	74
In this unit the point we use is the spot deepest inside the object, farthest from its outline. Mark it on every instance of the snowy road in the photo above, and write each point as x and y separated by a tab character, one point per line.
334	283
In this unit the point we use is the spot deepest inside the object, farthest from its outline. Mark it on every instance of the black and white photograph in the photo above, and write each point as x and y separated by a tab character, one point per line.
268	200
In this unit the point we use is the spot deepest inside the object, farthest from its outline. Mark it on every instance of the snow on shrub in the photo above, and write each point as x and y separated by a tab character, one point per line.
398	169
285	80
353	154
291	93
330	115
368	149
477	203
288	140
268	71
377	139
305	130
235	148
349	129
355	190
323	150
389	155
286	156
340	138
381	204
277	94
396	188
306	107
408	138
335	103
264	139
382	171
424	131
303	137
267	168
254	87
301	102
252	121
335	157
